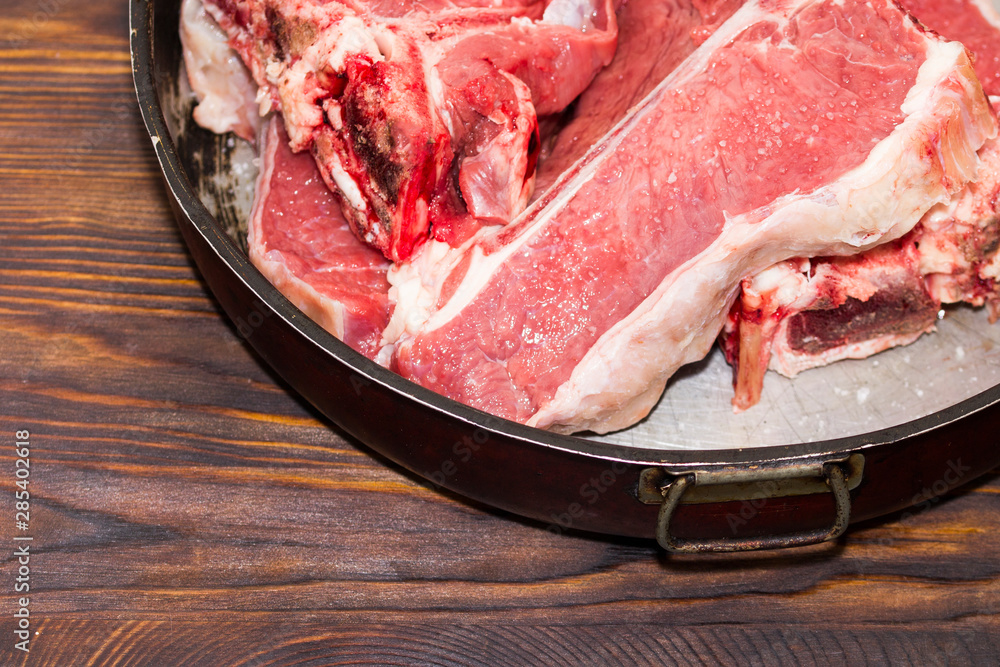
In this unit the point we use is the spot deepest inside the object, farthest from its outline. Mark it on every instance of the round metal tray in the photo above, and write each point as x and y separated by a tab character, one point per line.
701	499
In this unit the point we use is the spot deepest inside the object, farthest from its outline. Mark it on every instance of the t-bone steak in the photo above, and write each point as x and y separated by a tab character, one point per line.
805	128
422	116
806	313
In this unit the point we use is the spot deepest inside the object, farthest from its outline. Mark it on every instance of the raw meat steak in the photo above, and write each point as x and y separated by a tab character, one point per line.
974	23
804	314
797	129
421	115
654	37
301	242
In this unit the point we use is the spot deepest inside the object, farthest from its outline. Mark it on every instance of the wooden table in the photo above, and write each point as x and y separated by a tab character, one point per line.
186	508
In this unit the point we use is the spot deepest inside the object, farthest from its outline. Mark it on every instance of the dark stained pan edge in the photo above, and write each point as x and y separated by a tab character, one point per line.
564	460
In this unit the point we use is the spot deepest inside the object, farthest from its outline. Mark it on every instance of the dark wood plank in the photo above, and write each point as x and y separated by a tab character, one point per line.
186	508
282	643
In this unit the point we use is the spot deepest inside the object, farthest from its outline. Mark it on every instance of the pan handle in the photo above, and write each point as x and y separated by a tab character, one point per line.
832	473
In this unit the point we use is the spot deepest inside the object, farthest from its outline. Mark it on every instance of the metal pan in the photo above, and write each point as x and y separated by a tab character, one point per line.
703	499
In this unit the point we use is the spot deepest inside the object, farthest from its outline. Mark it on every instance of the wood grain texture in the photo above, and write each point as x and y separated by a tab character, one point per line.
187	509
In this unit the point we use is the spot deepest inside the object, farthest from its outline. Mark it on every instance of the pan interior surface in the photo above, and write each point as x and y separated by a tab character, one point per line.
848	398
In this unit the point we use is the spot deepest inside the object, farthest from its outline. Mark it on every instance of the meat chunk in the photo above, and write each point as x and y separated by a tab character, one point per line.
799	128
801	314
654	37
959	241
218	78
299	239
422	116
809	313
974	23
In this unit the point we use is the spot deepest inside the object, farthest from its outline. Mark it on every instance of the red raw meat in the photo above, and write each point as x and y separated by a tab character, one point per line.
800	314
809	313
421	115
974	23
654	37
301	242
797	129
959	241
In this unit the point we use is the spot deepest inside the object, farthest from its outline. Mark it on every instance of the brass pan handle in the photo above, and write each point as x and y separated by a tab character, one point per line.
834	476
